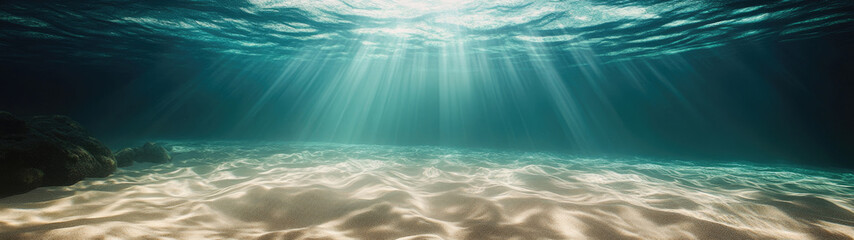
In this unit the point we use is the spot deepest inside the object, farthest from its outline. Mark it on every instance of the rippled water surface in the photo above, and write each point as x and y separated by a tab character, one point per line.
335	191
284	29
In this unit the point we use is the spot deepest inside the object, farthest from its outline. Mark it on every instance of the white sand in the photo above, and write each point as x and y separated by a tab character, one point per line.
322	191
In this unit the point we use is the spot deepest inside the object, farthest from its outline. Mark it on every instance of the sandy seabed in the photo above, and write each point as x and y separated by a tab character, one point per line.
235	190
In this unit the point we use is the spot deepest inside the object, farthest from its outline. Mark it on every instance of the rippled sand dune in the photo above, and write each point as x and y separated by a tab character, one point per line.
323	191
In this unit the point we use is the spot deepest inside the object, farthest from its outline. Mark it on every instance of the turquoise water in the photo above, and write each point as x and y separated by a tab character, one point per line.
584	31
442	119
703	80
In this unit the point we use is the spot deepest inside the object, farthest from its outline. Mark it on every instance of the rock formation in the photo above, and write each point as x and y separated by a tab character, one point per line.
48	151
149	152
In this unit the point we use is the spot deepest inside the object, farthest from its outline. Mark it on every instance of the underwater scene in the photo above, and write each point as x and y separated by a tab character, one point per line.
427	119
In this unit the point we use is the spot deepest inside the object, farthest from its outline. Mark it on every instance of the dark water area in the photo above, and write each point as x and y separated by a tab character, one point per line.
761	81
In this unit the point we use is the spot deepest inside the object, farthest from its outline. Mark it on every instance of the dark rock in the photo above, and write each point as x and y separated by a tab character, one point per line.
149	152
11	125
48	151
124	157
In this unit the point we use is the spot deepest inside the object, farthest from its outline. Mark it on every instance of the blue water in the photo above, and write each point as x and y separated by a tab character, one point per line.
705	80
585	31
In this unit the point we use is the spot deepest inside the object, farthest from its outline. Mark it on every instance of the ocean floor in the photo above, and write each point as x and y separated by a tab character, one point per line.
239	190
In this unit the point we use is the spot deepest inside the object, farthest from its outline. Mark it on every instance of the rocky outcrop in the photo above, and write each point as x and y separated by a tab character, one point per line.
124	157
48	151
148	152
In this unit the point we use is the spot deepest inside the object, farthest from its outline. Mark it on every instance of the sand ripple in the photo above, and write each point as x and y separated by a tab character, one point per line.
326	191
